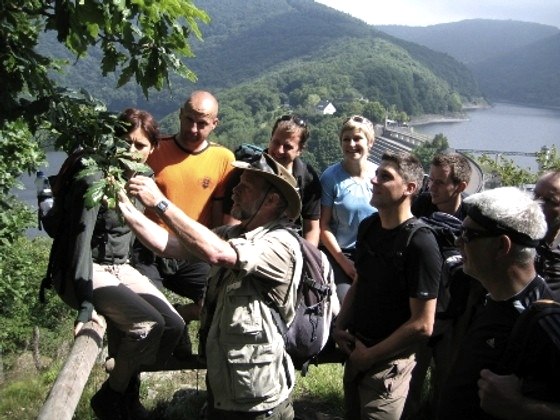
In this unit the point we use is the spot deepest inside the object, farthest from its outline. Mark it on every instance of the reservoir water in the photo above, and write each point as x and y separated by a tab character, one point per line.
503	127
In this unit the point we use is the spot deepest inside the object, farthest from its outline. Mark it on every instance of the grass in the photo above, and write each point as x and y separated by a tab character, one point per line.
176	395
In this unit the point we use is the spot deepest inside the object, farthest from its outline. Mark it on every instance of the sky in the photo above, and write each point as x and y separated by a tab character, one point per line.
431	12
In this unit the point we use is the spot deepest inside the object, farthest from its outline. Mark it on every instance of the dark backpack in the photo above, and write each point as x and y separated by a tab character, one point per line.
454	284
309	331
445	229
533	350
246	152
52	221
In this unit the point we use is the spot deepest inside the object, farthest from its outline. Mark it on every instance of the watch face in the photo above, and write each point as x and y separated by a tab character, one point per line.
162	206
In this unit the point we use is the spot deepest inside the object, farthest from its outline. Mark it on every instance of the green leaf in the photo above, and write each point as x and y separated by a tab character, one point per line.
95	193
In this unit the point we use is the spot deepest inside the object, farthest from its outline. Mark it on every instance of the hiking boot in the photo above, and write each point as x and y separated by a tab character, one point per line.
108	404
134	407
183	350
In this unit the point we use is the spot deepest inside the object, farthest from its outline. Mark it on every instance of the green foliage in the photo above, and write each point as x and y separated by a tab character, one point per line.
19	153
505	172
428	150
548	159
140	41
22	267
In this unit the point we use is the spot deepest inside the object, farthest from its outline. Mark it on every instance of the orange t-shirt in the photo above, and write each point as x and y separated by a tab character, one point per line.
191	181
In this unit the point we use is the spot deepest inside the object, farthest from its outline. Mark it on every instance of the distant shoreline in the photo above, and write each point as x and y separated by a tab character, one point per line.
447	118
436	119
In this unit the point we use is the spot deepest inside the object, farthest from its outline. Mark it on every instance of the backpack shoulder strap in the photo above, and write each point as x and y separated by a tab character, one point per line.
536	329
403	239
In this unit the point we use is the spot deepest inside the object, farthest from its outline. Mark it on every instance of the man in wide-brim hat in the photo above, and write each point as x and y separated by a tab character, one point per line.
254	262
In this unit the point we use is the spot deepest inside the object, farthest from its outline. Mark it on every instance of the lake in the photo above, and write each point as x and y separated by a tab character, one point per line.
503	127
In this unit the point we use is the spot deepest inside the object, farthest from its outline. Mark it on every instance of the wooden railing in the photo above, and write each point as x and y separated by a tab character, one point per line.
67	390
65	394
69	385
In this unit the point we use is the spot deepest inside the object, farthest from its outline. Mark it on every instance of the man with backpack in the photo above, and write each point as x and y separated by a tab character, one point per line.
450	174
390	307
442	207
254	263
287	142
498	239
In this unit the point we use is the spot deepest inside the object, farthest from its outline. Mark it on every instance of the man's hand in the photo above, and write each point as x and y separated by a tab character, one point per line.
499	394
146	190
360	357
344	340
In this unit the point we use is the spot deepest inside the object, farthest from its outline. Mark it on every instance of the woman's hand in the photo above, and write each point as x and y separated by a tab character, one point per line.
94	317
348	266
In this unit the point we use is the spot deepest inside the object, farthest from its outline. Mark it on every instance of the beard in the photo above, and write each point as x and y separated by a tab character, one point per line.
241	214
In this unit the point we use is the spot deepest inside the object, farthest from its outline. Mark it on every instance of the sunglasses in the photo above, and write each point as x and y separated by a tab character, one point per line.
298	120
468	235
359	119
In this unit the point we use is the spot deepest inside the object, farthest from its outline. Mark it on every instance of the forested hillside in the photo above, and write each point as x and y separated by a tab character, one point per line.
254	40
528	75
512	61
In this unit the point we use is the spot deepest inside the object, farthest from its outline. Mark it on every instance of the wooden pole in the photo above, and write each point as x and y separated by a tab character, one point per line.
69	385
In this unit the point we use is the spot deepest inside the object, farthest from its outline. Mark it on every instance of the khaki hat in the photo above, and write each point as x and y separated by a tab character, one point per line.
279	177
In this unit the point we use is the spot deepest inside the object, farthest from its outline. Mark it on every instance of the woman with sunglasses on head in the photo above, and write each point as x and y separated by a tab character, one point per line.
91	273
345	199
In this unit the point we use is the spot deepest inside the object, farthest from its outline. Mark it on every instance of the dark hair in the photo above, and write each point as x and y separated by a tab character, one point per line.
408	166
293	123
136	118
458	163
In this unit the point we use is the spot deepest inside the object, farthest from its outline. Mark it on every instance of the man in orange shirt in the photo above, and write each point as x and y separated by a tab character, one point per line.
192	172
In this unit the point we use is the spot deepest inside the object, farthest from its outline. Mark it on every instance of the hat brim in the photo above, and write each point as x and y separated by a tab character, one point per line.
289	193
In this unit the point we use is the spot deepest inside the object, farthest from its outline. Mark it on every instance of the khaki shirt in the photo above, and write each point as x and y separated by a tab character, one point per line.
248	367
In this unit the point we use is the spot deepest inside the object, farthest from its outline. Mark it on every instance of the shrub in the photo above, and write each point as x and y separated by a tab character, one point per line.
22	267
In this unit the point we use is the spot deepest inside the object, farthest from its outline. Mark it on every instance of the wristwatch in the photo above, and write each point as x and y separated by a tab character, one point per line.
162	206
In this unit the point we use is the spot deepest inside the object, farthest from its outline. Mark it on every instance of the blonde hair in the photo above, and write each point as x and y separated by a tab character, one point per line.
358	123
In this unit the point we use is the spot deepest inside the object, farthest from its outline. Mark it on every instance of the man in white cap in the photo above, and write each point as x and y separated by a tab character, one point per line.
498	239
249	373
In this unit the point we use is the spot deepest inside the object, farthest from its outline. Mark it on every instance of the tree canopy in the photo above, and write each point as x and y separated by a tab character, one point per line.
143	41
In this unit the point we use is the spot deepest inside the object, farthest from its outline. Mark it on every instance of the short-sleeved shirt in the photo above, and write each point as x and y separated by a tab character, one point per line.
349	198
192	181
382	300
482	348
310	189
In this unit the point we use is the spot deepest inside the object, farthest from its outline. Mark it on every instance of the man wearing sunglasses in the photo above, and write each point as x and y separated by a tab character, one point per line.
287	142
249	373
497	241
